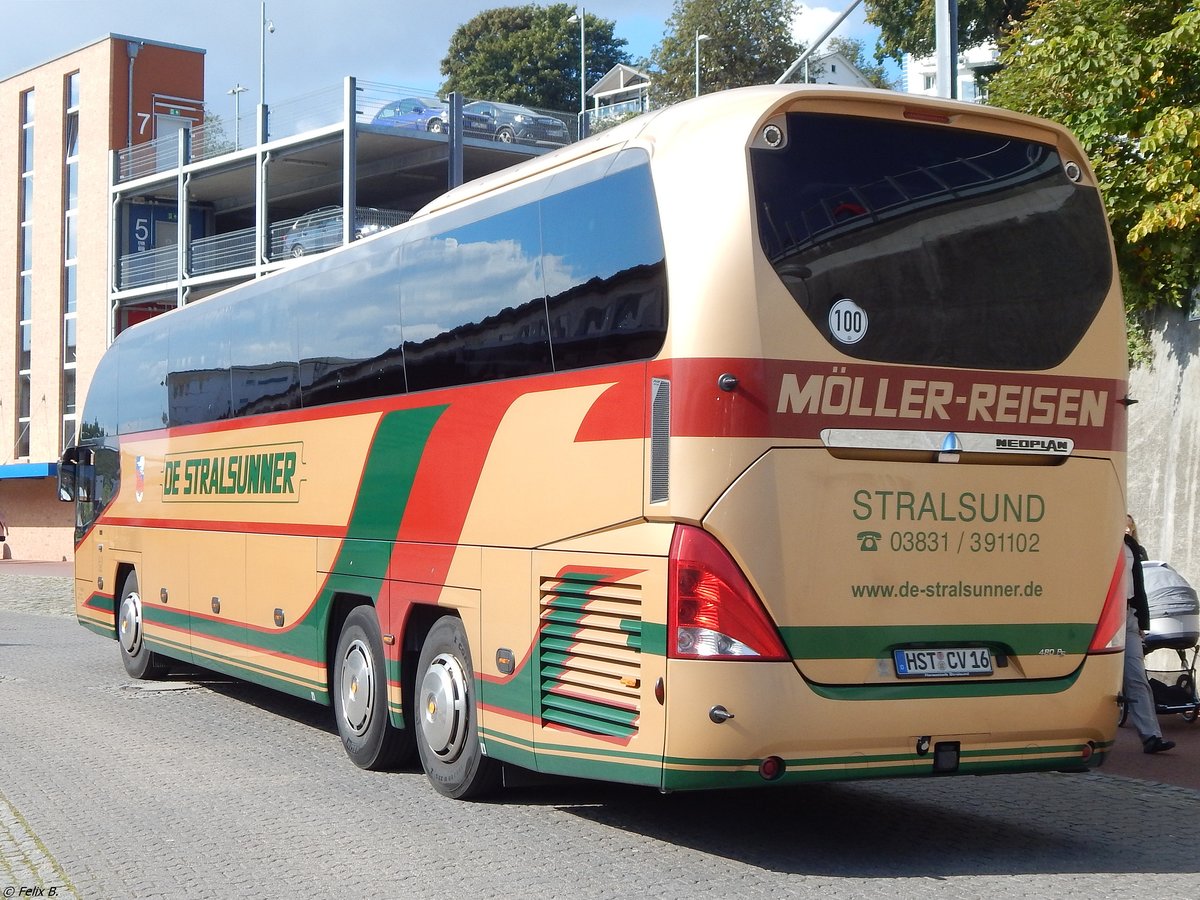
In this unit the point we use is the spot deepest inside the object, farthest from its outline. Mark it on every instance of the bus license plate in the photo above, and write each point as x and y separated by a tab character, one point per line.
944	662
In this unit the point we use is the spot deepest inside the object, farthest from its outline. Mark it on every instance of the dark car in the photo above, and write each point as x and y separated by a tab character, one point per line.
430	114
517	124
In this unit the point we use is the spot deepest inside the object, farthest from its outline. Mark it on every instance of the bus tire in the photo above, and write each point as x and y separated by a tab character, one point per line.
360	696
446	716
139	660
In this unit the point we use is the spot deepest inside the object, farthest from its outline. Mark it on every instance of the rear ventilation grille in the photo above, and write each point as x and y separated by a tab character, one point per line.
589	651
660	440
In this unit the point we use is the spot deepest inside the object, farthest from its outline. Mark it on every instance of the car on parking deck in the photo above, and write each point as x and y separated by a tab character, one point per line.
430	114
510	123
321	229
425	113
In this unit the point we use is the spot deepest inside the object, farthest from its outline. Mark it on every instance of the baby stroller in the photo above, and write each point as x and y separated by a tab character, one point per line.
1174	626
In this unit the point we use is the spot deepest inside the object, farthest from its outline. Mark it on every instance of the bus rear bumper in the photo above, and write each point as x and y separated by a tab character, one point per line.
784	730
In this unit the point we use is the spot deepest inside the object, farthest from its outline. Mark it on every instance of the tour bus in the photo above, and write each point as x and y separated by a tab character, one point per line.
773	437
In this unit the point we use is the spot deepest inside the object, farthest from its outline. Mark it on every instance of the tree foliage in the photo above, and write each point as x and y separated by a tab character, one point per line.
749	42
1124	75
529	55
907	26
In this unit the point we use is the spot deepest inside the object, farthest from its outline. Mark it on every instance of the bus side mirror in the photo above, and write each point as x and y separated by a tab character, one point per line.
66	481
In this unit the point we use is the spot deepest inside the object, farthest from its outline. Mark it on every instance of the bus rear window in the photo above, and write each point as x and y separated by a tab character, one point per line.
919	244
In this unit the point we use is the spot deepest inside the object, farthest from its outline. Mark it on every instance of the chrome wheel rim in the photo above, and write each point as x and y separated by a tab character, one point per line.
443	711
357	687
130	623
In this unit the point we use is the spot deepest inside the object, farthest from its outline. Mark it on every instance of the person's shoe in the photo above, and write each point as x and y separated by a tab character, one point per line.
1157	745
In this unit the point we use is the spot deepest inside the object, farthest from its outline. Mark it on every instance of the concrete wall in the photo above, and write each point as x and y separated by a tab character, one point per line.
1164	445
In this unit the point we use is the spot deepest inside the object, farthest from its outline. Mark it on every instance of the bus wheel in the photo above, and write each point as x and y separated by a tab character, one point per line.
360	696
445	716
140	661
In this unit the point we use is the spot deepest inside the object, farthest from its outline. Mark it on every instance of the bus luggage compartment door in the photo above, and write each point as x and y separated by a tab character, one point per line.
885	572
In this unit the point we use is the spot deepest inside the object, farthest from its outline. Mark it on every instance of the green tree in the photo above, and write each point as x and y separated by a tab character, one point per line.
907	26
749	42
529	55
1124	75
211	139
854	50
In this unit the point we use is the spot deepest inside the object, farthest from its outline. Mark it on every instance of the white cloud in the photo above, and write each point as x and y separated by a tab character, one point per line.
812	21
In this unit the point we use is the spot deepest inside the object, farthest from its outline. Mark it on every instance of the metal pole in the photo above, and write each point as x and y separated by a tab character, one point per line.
791	70
455	136
237	90
946	66
582	78
953	23
262	53
131	48
264	25
699	37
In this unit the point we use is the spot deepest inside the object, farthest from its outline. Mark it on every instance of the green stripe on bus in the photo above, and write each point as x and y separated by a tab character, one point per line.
877	641
362	561
935	688
387	481
654	639
687	772
245	670
106	630
629	768
546	747
676	779
101	603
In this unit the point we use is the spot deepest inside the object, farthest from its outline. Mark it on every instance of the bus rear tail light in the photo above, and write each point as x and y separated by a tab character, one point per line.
713	612
1109	636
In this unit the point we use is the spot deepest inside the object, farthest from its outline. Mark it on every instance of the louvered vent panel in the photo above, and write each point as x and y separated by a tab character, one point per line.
590	644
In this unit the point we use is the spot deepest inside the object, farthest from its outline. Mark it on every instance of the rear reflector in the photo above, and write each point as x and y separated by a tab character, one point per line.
713	611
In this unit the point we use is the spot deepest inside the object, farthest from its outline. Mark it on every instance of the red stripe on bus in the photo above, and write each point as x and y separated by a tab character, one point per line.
266	528
789	399
444	487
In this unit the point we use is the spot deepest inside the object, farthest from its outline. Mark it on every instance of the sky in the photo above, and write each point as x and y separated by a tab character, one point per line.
315	43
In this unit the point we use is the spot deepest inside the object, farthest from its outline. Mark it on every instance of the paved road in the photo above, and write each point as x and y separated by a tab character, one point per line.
201	787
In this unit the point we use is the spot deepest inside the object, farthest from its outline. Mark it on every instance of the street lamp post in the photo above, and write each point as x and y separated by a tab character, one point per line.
237	90
699	37
579	17
264	25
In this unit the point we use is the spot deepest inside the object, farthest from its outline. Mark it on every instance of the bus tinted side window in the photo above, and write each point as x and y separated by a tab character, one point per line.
473	302
264	370
142	376
348	324
100	408
605	268
198	386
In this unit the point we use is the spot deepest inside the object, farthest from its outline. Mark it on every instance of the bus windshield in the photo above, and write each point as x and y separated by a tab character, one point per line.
950	240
